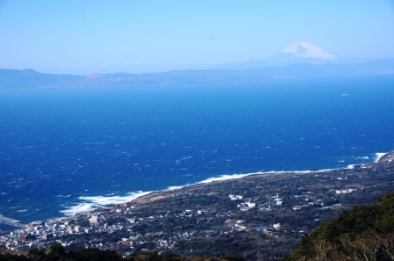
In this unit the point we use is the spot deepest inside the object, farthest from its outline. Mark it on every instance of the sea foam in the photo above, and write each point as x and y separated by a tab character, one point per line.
79	209
91	203
112	200
379	155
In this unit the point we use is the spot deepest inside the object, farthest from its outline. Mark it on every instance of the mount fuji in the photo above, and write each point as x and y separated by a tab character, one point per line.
306	50
297	52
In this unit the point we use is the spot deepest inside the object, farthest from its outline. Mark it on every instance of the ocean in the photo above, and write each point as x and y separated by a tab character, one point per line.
64	152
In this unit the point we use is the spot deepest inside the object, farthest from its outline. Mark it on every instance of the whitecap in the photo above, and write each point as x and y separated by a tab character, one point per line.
238	176
91	203
175	187
363	158
227	177
112	200
79	209
379	155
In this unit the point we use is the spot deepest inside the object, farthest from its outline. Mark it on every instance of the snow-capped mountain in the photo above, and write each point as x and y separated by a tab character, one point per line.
296	53
307	50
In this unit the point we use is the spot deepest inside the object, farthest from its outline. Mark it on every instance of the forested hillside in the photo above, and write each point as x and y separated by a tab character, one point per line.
365	233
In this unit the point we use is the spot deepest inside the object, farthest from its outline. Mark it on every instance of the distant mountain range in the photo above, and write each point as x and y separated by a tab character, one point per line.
299	60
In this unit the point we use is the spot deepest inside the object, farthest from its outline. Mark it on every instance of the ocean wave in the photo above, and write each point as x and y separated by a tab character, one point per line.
112	200
79	209
175	187
91	203
350	166
227	177
362	158
379	155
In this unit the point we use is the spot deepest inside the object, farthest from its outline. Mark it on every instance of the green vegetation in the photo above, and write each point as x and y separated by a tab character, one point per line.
365	233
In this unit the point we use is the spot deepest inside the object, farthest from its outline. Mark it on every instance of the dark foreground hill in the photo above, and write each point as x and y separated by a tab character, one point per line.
365	233
57	252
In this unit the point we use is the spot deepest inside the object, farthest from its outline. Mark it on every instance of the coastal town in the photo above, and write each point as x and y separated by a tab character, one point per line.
258	216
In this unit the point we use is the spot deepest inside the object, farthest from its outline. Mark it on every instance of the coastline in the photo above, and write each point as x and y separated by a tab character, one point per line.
93	203
155	195
280	202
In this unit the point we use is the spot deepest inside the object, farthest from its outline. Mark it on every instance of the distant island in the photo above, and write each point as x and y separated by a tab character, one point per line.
258	217
260	73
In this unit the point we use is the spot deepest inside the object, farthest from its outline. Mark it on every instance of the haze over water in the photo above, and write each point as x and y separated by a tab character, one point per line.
61	150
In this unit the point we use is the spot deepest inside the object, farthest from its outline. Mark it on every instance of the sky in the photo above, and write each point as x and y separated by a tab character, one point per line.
84	36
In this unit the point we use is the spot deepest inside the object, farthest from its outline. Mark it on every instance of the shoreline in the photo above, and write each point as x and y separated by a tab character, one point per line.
216	210
94	203
223	178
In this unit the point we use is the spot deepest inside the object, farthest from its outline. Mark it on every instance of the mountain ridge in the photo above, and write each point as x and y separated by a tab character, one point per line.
30	79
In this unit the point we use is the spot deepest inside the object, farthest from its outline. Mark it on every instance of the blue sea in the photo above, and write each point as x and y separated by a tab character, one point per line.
68	151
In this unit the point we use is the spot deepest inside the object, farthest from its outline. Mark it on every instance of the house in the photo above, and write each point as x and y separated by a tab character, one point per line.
297	207
246	206
344	191
276	226
93	220
235	197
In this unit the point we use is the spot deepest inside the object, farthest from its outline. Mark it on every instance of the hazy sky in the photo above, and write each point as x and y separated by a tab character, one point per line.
80	37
